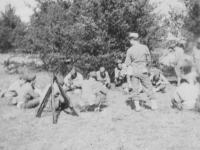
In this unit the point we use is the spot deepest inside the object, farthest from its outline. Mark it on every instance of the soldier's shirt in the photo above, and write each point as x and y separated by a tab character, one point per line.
15	86
187	94
122	72
179	53
138	54
196	54
26	92
100	78
89	90
161	79
68	78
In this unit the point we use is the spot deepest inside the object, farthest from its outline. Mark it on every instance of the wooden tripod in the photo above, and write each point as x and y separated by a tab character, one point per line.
49	93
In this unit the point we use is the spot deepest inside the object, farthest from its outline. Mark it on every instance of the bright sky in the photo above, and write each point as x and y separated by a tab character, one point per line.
25	12
21	9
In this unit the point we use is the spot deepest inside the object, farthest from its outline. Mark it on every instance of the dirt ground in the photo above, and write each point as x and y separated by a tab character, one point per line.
117	127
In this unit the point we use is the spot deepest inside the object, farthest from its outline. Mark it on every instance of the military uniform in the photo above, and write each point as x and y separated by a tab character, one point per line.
158	81
179	62
27	98
120	75
138	56
185	96
93	94
70	81
105	80
196	58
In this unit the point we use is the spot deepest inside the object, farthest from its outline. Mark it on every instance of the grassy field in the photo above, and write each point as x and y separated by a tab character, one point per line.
117	127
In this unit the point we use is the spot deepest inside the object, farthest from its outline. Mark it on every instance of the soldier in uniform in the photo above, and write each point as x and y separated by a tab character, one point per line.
71	79
103	77
179	60
138	56
196	56
27	97
120	73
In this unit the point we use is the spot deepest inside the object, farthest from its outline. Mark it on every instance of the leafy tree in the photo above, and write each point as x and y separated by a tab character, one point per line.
192	21
92	33
12	30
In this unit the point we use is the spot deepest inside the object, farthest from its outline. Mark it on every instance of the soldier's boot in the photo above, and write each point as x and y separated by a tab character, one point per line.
154	105
137	106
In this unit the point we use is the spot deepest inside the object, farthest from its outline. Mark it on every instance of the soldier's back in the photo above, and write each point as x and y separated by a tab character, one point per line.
138	53
23	92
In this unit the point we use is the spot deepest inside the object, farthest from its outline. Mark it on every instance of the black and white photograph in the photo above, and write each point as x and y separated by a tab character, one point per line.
99	74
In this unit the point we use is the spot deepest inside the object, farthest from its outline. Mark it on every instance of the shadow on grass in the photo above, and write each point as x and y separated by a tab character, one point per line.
130	102
173	82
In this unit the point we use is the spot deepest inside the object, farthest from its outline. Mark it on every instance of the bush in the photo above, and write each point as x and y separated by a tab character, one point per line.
12	30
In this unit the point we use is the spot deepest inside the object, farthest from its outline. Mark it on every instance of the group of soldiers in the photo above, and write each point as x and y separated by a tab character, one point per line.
134	76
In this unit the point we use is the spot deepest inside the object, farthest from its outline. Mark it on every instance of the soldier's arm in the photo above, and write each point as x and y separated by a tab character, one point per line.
67	80
98	76
116	73
128	59
107	77
148	56
33	94
80	77
151	77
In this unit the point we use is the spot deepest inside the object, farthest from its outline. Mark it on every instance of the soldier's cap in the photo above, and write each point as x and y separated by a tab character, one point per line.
102	69
92	74
31	77
134	35
198	40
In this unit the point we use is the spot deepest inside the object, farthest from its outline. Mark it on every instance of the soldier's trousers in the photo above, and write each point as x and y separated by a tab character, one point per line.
140	76
31	103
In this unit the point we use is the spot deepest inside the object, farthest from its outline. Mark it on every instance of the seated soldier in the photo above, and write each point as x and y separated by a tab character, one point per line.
27	97
103	77
93	93
158	81
13	89
70	79
120	73
18	83
185	96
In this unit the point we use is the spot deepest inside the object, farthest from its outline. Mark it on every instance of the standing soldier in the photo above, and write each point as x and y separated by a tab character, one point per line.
138	56
179	60
196	56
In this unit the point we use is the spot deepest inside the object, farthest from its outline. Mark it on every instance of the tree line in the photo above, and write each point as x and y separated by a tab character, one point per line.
91	33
